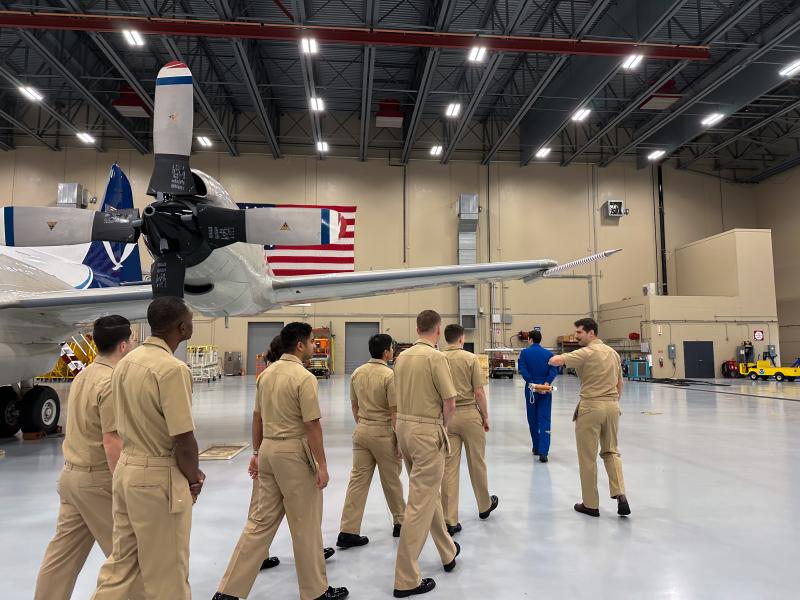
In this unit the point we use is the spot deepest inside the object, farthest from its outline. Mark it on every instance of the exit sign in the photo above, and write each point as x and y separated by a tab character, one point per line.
758	335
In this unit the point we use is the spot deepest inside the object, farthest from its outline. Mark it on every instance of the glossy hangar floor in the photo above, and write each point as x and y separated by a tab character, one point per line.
712	474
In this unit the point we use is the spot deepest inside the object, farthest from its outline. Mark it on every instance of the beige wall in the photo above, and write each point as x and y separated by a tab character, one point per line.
534	212
777	202
707	268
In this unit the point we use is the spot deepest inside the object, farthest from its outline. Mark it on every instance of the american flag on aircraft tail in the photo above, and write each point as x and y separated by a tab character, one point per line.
287	261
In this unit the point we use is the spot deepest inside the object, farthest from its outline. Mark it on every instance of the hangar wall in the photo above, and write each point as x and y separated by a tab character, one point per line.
534	212
776	202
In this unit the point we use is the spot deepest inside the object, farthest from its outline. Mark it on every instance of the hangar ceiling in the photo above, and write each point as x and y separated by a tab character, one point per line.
714	91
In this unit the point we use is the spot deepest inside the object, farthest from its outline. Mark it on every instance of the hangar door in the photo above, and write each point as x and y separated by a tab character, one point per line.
698	360
356	344
259	337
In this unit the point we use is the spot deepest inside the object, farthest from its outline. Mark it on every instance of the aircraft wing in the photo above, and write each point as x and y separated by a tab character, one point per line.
340	286
60	311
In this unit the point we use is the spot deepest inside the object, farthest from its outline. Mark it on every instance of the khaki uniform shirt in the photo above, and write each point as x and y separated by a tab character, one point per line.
372	387
467	374
90	414
286	398
422	381
153	399
598	366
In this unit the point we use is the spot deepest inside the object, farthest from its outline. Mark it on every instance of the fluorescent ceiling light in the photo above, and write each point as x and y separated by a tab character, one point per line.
317	104
322	146
436	151
309	46
542	152
656	155
477	54
453	110
712	119
133	37
31	93
632	62
581	114
85	138
790	69
204	141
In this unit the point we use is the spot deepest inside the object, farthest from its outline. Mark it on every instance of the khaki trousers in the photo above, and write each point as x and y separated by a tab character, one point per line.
287	486
373	444
84	518
424	447
596	423
152	523
465	428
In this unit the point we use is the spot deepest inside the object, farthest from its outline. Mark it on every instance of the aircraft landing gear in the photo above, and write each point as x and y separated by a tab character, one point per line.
39	410
9	412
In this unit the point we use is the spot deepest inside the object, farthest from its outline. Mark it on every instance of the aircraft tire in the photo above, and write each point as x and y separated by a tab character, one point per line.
9	412
39	410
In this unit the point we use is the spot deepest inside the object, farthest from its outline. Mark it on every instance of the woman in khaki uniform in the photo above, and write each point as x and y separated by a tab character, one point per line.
596	416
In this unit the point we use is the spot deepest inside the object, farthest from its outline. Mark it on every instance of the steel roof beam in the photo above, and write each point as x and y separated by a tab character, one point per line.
787	164
21	126
367	77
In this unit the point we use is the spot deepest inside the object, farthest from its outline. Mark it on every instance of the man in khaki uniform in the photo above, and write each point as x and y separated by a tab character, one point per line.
292	472
91	451
158	477
426	401
596	416
468	427
374	405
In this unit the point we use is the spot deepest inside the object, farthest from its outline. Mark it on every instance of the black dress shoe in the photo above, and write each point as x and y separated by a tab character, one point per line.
543	458
334	594
452	564
535	453
221	596
485	515
623	508
423	588
396	530
351	540
592	512
270	563
453	529
328	552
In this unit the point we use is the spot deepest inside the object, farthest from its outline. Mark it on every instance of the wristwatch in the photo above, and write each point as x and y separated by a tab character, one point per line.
255	452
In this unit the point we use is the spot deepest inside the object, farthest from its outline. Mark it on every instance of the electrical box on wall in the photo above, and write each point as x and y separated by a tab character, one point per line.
672	353
616	208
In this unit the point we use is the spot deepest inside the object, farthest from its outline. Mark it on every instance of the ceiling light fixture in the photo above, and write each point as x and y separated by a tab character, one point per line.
85	138
436	150
542	152
453	110
477	54
317	104
309	46
133	37
712	119
581	114
632	62
655	155
31	93
204	141
790	69
322	146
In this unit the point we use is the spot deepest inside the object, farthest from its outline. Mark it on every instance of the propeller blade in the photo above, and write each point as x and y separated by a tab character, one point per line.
46	226
167	275
270	226
173	117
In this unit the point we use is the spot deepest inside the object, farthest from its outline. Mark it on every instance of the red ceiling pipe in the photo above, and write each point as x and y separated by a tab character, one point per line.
345	35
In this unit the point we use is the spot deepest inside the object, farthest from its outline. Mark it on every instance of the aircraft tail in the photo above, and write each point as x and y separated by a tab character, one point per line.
114	263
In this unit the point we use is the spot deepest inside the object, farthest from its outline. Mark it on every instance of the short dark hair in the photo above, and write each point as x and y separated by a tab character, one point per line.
536	336
452	332
380	343
109	332
165	313
275	349
293	333
587	324
427	320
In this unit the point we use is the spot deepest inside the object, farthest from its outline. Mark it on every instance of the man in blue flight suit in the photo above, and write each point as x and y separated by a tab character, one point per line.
534	369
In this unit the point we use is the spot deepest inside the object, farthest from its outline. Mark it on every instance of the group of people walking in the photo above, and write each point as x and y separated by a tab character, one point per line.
132	474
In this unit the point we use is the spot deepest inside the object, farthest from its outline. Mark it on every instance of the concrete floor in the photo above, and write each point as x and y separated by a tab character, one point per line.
712	474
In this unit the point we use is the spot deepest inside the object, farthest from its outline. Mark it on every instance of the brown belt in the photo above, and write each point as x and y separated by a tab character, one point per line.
73	467
148	461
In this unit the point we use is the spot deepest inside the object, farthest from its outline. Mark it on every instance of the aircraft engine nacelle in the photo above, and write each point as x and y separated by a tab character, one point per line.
20	362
